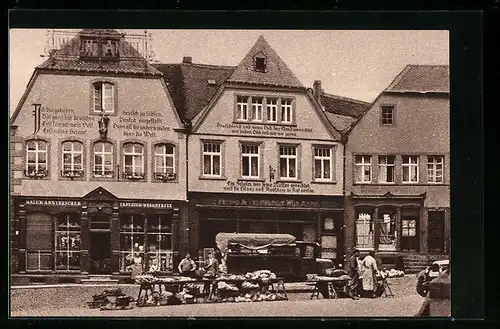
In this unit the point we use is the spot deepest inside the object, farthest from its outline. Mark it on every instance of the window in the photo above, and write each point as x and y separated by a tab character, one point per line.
286	111
435	169
250	161
39	242
323	163
159	240
88	47
110	48
364	230
272	110
36	158
387	115
103	159
288	162
72	159
212	159
131	240
386	169
260	64
133	161
104	97
363	168
408	227
68	242
165	162
242	106
410	168
257	109
387	227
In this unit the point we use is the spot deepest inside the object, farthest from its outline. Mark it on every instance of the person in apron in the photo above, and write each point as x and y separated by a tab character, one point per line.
369	272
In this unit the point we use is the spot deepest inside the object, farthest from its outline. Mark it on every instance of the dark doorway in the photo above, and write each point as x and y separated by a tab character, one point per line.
435	238
410	219
100	252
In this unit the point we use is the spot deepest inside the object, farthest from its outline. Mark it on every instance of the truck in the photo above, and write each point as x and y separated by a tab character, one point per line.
279	253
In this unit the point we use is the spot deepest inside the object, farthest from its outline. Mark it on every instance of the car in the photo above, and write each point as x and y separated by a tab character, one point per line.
431	272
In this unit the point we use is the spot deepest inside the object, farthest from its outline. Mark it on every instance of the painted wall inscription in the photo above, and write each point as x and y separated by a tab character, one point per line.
262	130
131	123
274	187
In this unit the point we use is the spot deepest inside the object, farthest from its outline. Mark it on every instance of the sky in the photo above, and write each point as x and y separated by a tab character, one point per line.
349	63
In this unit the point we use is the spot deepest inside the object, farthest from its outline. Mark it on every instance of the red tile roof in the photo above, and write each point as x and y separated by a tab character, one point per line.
422	78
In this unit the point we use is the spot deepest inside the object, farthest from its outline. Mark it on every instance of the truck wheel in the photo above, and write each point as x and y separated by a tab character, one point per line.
420	287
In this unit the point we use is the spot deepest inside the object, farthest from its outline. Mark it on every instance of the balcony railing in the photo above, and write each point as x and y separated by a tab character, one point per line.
36	174
72	173
164	177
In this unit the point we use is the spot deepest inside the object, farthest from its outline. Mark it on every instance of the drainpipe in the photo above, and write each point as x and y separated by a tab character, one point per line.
344	140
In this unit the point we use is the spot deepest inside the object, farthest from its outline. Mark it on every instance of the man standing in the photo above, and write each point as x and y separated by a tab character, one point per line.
187	266
354	274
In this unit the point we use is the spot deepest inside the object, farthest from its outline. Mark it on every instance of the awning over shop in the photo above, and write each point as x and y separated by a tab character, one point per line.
253	241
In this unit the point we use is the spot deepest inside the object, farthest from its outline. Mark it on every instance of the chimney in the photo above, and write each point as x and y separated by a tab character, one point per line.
187	59
317	90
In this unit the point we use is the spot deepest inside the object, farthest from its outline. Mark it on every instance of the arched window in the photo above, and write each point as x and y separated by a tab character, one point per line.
103	159
365	229
165	162
133	161
72	159
36	158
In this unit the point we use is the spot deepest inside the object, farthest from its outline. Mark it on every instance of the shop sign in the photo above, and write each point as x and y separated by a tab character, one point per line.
268	203
145	205
54	203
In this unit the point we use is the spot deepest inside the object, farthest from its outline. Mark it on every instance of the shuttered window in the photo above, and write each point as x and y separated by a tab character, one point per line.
39	242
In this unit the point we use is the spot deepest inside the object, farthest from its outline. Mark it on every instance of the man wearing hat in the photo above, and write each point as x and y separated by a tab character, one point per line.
354	273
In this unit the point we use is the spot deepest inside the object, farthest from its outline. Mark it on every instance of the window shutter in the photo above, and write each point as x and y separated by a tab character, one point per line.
39	232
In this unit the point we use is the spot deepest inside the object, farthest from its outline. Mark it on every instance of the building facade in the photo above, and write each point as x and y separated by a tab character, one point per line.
397	168
98	169
263	156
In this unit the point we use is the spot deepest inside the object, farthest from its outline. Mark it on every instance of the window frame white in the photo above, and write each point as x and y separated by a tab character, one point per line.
38	164
134	154
288	158
432	169
72	155
211	154
257	109
242	108
322	159
286	109
361	165
103	153
383	166
106	100
410	166
164	156
271	110
246	155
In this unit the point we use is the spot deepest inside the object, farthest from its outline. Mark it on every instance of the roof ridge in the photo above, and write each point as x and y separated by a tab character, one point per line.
345	98
200	65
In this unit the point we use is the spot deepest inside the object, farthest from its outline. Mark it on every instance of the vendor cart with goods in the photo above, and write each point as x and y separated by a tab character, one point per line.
279	253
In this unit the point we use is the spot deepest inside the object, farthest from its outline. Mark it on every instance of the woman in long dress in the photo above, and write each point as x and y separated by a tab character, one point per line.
370	270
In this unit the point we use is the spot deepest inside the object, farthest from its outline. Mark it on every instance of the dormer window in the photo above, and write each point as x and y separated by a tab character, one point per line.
95	47
260	64
89	47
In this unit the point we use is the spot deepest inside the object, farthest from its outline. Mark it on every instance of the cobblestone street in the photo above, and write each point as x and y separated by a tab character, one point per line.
70	301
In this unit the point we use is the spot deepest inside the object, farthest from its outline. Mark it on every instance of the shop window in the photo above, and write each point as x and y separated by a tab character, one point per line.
387	230
164	169
36	159
103	97
288	162
256	109
242	108
286	111
272	110
103	159
250	161
212	156
363	168
72	159
39	242
435	169
131	240
159	241
364	230
133	161
67	242
323	164
386	168
409	229
387	115
410	168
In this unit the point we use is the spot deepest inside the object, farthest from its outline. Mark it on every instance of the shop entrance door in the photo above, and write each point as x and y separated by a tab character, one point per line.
435	240
100	252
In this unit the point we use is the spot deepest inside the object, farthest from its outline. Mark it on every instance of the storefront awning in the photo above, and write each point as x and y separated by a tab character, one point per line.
253	241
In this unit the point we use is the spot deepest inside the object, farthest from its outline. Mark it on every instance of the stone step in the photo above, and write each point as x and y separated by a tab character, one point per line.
93	281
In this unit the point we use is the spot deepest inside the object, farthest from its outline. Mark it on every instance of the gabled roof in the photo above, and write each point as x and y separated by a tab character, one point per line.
192	86
277	72
343	112
422	79
67	58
